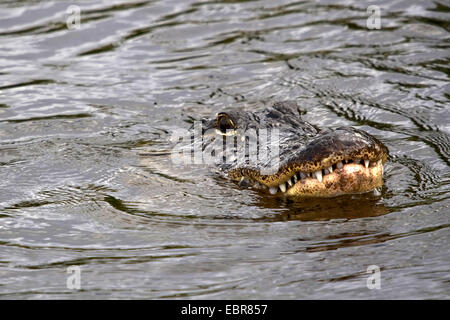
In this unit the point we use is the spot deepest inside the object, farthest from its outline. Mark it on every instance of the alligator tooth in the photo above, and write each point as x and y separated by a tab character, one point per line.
289	182
330	168
339	165
273	190
283	187
366	163
325	171
318	175
295	178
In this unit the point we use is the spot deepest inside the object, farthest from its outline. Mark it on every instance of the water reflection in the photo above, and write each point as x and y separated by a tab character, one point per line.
343	207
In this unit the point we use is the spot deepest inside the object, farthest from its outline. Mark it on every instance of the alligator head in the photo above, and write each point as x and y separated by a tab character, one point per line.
309	161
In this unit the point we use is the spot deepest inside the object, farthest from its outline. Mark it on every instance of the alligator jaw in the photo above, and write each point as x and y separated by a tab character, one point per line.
351	178
343	177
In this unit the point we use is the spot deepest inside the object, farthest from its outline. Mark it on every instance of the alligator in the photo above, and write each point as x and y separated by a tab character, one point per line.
311	161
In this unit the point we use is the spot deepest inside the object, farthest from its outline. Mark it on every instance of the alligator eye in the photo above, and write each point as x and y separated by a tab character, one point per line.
224	123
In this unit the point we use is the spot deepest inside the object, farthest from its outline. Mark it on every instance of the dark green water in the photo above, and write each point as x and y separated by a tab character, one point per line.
85	172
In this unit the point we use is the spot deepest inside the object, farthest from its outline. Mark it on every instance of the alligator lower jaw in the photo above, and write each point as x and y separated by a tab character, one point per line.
351	178
348	177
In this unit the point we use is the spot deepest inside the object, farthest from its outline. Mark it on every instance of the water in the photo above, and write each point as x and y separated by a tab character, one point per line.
86	177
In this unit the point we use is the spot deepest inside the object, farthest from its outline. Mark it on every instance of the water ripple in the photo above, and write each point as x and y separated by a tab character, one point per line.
86	177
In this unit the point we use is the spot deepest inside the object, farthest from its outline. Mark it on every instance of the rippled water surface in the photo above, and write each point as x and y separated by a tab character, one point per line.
86	177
